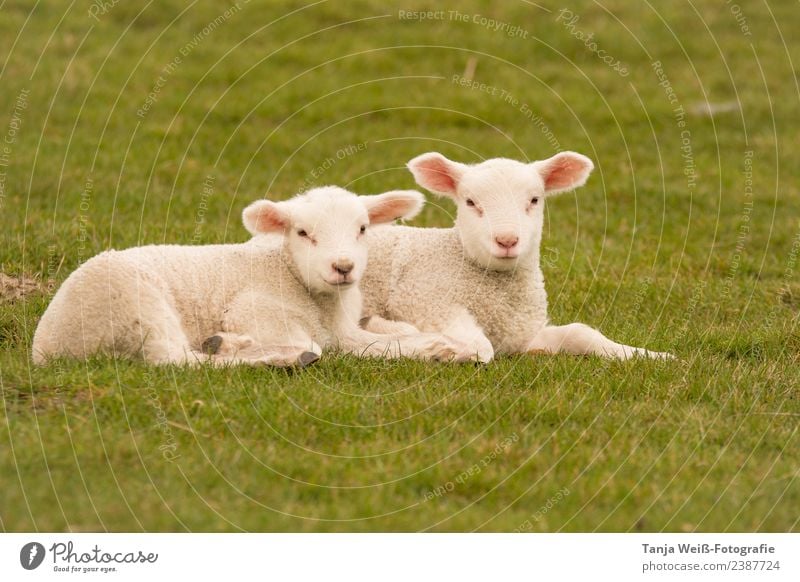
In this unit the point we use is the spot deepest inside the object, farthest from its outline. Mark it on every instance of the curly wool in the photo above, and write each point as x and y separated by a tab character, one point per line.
422	276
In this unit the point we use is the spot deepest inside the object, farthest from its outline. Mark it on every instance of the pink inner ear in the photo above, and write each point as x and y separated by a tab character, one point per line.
436	175
269	220
563	172
388	211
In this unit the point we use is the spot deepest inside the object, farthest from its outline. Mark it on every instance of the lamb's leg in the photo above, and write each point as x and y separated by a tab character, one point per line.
377	324
464	327
462	339
225	344
162	337
299	354
425	346
164	353
260	331
580	339
226	348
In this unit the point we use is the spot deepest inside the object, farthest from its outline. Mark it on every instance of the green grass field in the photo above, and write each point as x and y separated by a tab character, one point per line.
143	123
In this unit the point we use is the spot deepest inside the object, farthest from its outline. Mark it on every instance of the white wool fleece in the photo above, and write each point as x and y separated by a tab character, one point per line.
431	284
262	304
481	281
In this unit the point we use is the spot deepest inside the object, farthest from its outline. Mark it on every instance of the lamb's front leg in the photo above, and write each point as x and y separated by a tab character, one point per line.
378	324
225	348
425	346
462	325
439	345
459	325
259	330
580	339
460	340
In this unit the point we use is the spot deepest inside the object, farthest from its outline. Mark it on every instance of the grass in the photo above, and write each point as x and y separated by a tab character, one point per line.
272	99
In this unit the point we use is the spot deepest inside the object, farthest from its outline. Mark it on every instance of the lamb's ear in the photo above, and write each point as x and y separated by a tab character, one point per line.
263	217
436	173
390	206
564	171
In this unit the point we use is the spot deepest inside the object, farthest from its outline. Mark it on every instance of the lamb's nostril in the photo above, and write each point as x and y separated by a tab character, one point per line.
507	242
343	267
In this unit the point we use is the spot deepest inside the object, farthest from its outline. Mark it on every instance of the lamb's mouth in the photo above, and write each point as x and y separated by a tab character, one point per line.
343	283
504	254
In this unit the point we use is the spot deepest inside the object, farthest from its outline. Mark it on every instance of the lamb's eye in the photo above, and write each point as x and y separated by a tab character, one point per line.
535	200
302	233
469	202
363	228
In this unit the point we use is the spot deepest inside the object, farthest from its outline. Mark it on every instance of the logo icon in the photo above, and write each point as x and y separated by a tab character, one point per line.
31	555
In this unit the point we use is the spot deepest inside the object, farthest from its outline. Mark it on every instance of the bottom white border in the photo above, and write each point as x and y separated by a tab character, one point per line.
401	557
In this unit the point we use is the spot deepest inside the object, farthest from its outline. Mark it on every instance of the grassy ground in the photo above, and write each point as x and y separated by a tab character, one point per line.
686	240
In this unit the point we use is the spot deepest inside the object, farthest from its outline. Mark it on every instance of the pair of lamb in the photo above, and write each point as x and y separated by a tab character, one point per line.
462	293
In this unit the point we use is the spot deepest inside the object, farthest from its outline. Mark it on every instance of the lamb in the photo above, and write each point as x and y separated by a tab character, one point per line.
278	304
481	280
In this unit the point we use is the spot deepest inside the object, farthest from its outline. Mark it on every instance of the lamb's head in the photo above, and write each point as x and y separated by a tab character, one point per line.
324	230
500	201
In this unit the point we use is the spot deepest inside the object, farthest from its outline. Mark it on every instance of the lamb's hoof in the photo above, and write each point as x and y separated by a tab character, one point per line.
306	359
364	322
211	345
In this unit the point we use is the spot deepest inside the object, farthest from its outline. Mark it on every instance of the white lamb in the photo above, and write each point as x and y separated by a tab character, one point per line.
480	281
239	303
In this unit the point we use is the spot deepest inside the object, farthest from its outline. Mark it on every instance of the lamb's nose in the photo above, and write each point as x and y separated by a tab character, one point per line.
343	267
507	241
